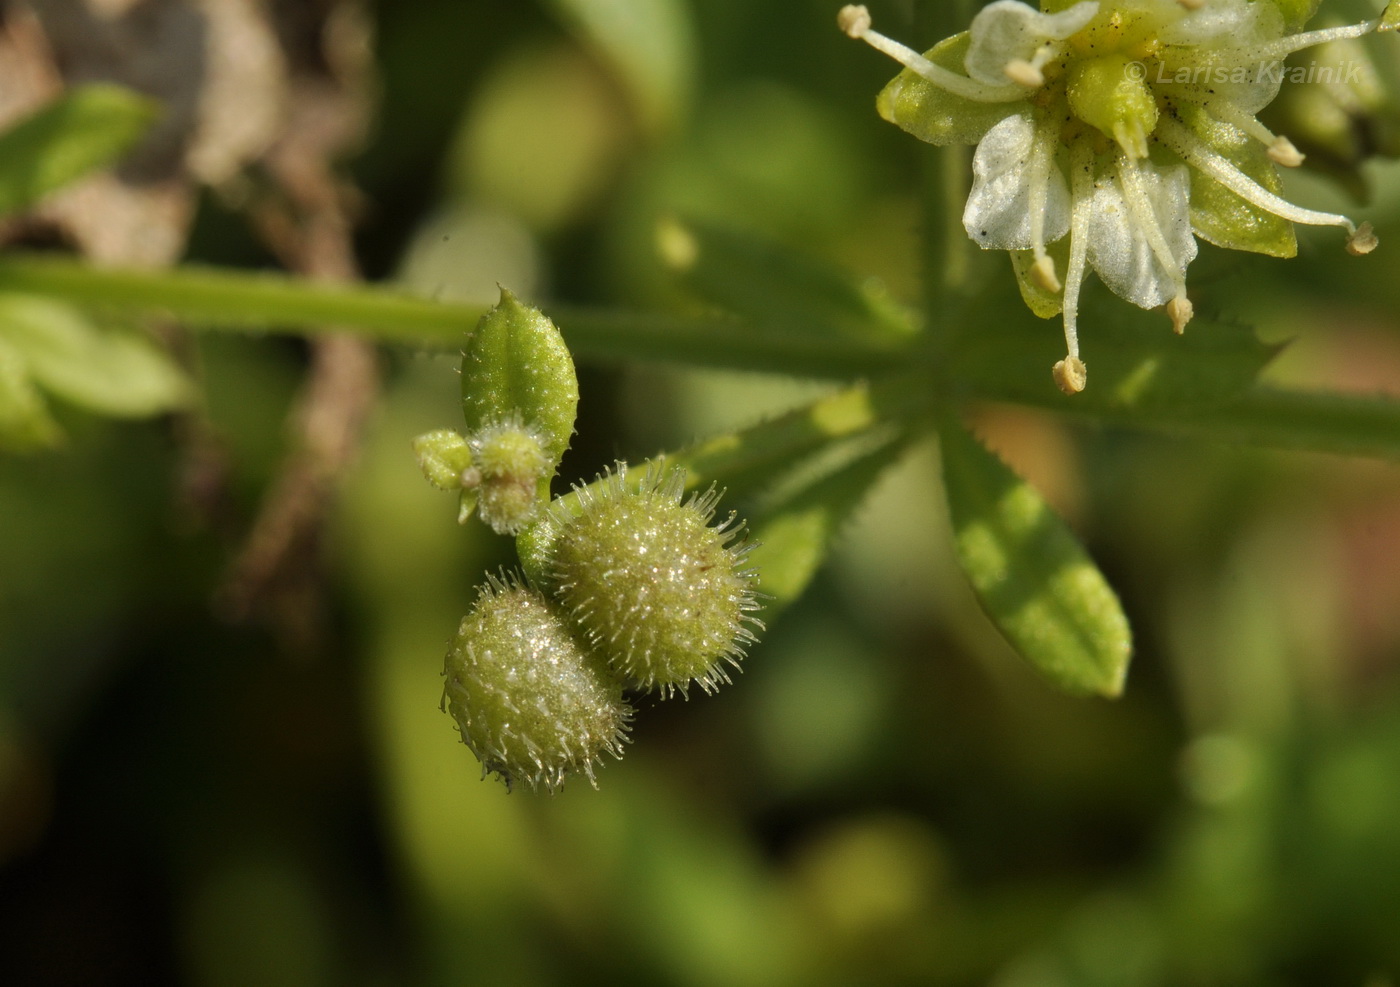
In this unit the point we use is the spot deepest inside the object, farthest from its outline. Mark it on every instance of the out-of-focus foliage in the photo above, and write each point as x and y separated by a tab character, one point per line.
89	127
887	795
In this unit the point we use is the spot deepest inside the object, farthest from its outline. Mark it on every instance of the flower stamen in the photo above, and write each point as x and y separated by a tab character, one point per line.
1283	153
1140	206
1041	162
1150	105
1195	153
1082	183
854	20
1030	74
1282	48
1025	74
1280	149
1180	311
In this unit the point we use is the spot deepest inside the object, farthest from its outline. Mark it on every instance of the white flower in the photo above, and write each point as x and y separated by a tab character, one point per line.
1128	126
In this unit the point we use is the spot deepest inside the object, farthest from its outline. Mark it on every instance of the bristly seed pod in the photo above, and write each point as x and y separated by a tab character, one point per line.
531	703
662	596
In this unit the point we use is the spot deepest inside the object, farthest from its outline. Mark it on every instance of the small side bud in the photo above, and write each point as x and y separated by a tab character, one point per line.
1390	20
1071	375
511	461
443	455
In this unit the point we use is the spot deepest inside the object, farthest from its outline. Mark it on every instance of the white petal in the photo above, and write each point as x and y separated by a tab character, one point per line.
1220	37
1008	30
1225	24
998	214
1120	252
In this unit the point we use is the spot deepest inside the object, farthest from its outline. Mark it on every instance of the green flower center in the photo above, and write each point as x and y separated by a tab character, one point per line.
1110	94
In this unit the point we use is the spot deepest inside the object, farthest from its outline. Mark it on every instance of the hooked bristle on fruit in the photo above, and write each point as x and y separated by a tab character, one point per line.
530	701
664	597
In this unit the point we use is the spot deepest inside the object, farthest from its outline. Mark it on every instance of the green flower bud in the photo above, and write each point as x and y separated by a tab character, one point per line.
443	456
531	703
516	364
664	597
519	397
512	465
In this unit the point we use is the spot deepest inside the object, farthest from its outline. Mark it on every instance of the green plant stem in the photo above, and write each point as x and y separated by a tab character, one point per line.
722	343
946	171
1340	424
949	252
219	299
1344	424
262	302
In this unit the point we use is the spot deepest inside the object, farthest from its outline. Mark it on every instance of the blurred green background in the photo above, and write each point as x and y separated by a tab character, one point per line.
886	795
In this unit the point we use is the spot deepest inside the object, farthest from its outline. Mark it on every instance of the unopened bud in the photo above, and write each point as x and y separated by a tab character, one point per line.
443	455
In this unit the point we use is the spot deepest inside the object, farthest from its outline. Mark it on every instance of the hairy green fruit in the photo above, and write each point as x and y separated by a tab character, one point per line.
664	597
531	703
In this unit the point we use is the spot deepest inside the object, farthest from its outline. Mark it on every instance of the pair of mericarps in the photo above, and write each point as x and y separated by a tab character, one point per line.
632	588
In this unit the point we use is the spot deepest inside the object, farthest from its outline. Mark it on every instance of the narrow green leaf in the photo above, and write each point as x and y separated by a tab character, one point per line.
650	45
1134	361
516	365
111	371
25	423
89	127
795	534
745	460
1031	575
774	286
